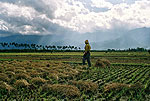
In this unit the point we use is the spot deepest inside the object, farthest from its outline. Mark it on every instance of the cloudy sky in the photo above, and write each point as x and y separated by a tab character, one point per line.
81	16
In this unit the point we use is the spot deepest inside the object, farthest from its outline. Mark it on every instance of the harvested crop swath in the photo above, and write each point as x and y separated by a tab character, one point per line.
85	85
4	77
22	76
1	70
63	90
10	74
10	69
119	86
21	83
5	86
38	81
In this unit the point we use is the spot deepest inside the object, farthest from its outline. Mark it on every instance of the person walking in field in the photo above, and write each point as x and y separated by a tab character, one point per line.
86	55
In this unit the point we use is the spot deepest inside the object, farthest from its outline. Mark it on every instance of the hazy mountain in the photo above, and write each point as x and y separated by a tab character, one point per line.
21	38
142	35
134	38
99	40
123	42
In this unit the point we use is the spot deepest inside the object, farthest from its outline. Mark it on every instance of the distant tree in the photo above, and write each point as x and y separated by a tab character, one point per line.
33	46
46	47
54	47
69	47
72	47
51	47
109	50
64	47
75	48
59	47
2	44
79	48
140	49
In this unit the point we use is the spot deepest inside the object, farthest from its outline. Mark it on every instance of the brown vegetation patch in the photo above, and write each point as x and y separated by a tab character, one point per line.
40	69
85	85
21	68
22	76
10	74
4	77
20	71
136	86
31	70
4	85
102	63
99	63
21	83
53	76
106	62
70	71
64	90
10	69
38	81
119	86
1	70
53	71
63	75
28	67
34	73
43	74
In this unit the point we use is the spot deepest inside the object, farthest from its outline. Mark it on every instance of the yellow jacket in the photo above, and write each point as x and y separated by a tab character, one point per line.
87	48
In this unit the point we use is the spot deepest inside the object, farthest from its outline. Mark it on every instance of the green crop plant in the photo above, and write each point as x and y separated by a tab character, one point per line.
141	75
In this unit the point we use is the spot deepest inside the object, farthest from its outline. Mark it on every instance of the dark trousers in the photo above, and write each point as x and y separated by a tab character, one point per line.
86	56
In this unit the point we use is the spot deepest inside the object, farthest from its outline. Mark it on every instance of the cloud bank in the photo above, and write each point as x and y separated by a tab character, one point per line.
63	16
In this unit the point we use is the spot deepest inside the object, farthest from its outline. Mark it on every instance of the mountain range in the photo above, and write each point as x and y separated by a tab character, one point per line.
99	40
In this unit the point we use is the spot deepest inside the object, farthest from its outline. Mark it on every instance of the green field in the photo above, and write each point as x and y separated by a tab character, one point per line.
61	76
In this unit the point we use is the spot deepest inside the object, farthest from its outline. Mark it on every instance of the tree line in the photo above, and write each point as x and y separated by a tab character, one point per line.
138	49
35	47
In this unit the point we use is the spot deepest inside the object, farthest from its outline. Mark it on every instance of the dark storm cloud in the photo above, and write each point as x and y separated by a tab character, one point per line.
40	6
29	17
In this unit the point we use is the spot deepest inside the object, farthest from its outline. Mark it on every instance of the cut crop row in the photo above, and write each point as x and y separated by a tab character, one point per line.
142	75
123	76
134	75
